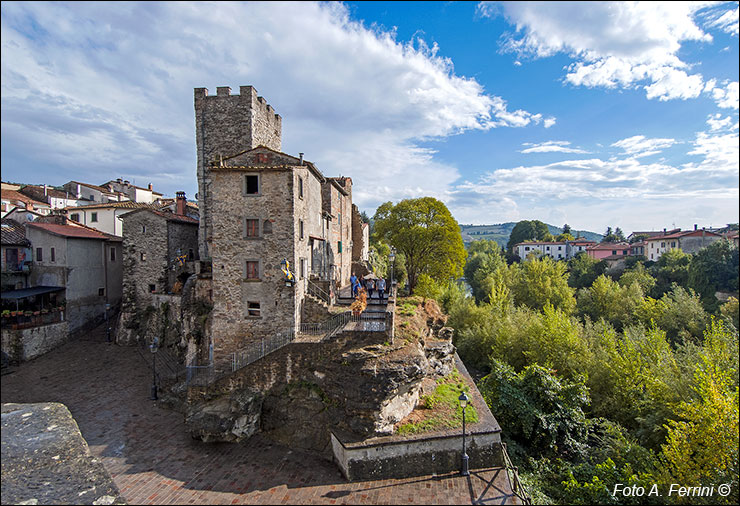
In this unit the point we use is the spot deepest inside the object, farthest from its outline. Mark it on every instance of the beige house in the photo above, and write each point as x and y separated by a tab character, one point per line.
689	241
104	217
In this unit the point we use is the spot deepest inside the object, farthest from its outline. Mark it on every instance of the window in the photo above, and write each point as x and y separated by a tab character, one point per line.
113	254
662	245
101	292
39	255
548	248
53	255
143	229
152	288
300	187
339	217
339	245
303	268
253	309
93	217
526	248
267	227
143	257
251	228
252	184
191	255
252	270
300	226
74	217
673	244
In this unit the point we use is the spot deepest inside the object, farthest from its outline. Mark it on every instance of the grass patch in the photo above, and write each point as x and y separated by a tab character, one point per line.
407	309
441	409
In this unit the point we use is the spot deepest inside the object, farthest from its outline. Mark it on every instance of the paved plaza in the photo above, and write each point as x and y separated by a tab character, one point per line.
153	460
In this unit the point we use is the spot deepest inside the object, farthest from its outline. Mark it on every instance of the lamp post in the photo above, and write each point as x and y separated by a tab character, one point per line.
107	324
392	260
154	347
464	466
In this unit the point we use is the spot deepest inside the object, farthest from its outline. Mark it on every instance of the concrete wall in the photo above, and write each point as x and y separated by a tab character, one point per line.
226	124
25	344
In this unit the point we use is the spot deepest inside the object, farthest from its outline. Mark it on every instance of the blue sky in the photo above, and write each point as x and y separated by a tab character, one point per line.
592	114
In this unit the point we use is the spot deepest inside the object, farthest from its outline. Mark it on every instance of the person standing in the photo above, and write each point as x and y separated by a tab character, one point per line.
370	288
355	284
381	288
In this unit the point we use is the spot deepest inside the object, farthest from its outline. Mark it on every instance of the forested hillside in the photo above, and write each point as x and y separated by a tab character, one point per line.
601	377
500	232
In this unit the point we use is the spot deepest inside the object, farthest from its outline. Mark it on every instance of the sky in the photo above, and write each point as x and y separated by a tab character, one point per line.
595	114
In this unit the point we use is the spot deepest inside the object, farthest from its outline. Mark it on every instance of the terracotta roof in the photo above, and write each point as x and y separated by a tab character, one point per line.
94	187
70	231
18	196
678	235
115	181
306	163
13	233
610	245
37	192
126	204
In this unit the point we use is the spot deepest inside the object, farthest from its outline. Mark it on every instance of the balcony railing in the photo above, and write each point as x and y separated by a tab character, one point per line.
30	319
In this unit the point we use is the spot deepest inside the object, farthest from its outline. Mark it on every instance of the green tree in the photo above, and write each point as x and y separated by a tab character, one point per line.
679	313
526	230
672	267
584	270
484	260
607	299
638	274
567	229
426	233
543	281
712	269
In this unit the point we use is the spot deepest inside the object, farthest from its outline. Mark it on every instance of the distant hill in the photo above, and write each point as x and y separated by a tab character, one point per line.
500	232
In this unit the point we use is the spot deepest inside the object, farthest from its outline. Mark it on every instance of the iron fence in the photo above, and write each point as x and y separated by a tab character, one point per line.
517	487
258	349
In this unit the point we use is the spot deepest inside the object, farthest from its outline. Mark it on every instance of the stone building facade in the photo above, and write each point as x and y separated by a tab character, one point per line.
227	124
160	251
259	209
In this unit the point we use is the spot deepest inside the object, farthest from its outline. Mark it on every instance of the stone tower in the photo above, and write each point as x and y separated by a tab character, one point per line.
225	125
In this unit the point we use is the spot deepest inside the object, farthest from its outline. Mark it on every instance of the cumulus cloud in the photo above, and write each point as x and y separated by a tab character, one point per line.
551	147
727	97
110	88
616	44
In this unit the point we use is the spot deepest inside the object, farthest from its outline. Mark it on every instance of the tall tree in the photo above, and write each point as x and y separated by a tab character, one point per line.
428	236
525	230
567	229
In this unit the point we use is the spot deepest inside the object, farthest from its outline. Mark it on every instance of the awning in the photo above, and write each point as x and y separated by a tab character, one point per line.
30	292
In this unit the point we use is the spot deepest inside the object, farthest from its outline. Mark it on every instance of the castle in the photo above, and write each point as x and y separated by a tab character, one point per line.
271	224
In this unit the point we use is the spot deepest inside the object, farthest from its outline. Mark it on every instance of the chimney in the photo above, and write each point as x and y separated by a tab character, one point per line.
180	204
119	180
665	232
695	227
150	186
45	191
300	157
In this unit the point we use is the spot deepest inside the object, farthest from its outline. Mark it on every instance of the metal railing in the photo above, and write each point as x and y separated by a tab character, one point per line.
258	349
327	328
317	291
517	487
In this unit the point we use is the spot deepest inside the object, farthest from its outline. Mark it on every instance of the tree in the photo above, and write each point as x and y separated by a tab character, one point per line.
567	229
615	236
712	269
638	274
484	259
672	267
525	230
584	270
542	281
428	236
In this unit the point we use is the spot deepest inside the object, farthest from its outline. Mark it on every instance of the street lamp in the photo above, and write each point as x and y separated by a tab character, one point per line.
464	404
154	347
392	260
107	323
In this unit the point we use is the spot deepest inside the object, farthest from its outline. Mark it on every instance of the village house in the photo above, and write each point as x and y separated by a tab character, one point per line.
104	217
688	241
16	255
82	262
133	193
160	249
11	199
57	199
87	193
558	250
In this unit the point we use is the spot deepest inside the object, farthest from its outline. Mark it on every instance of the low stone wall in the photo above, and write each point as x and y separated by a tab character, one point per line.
416	457
24	344
47	461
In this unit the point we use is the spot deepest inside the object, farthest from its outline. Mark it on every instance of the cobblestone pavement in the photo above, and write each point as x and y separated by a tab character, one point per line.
154	461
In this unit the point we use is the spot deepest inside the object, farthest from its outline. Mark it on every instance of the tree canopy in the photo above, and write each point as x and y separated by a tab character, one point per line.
526	230
425	232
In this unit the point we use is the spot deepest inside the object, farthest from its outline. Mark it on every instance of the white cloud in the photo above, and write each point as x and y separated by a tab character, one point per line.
110	86
616	44
639	146
549	122
551	147
717	122
726	98
726	21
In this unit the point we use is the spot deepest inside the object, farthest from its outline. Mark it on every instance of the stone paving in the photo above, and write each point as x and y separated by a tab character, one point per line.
153	460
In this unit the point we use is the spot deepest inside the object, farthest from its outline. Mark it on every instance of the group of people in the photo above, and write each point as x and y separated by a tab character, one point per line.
368	284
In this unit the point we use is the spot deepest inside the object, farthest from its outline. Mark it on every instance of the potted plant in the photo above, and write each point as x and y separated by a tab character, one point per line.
360	303
6	313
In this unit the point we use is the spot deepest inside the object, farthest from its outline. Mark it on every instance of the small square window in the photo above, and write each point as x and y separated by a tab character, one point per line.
253	309
252	228
252	270
93	217
39	255
252	184
75	217
101	292
152	288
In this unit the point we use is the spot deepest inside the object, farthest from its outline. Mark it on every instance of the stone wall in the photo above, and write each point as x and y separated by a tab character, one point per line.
25	344
314	310
233	326
181	239
693	244
225	125
360	238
